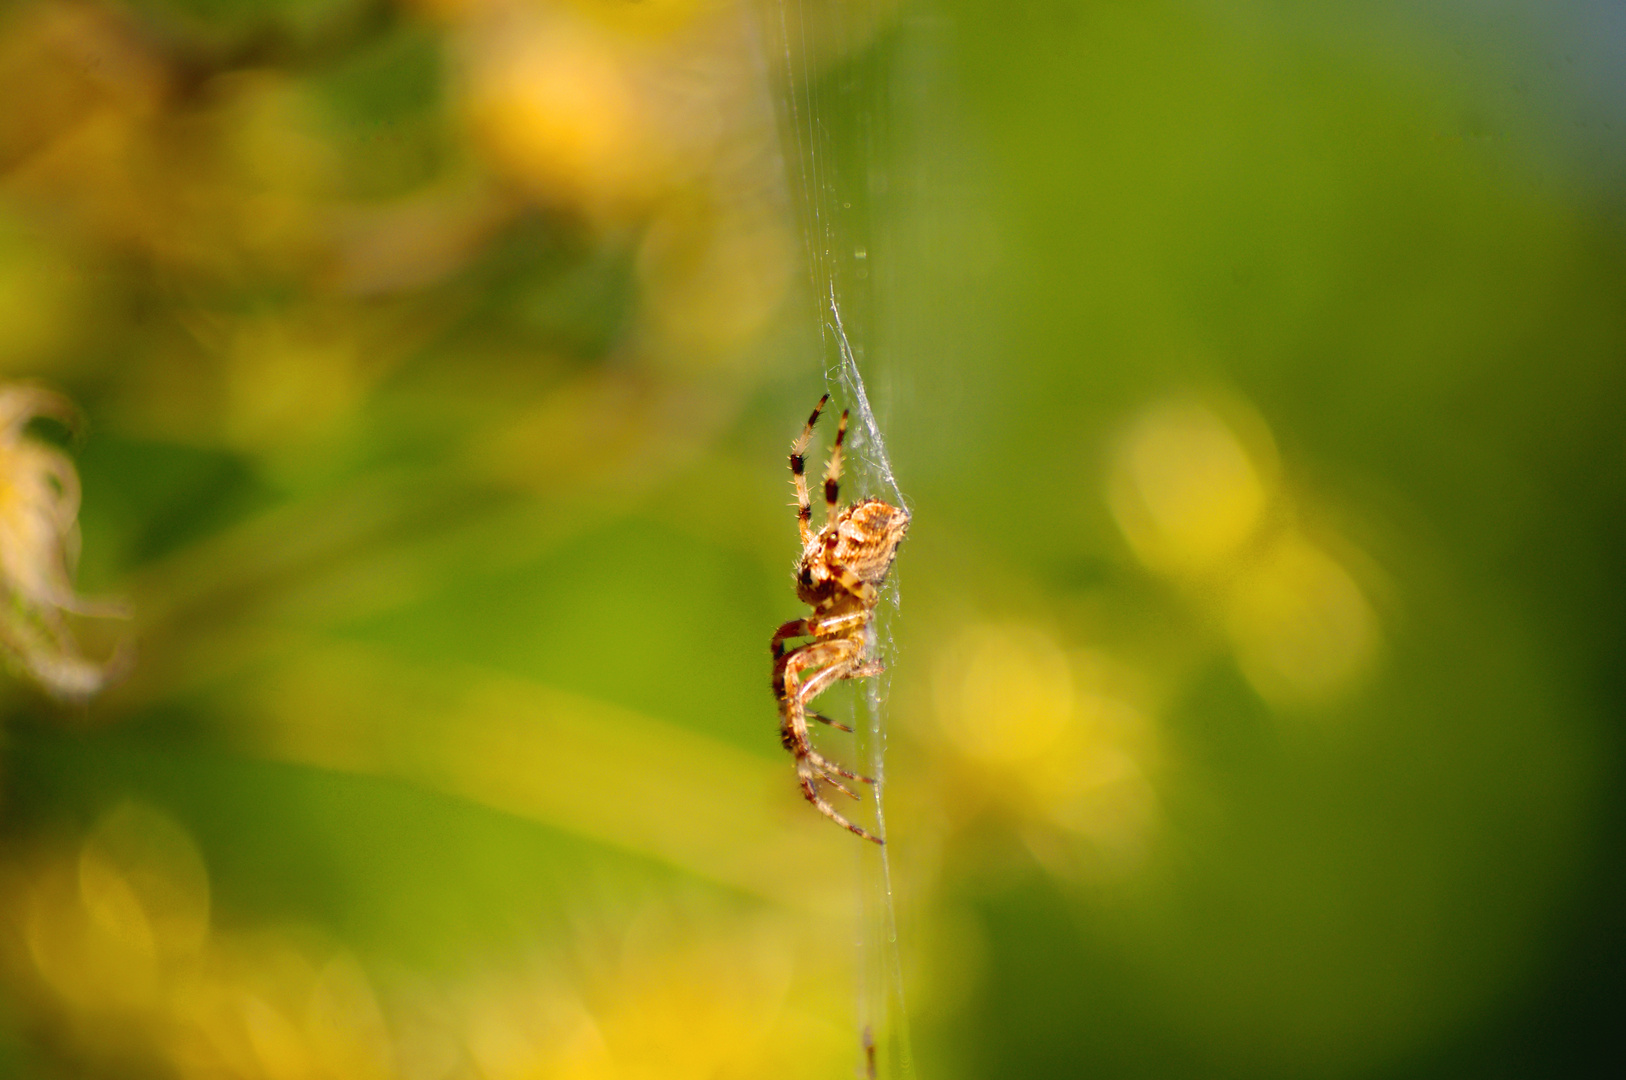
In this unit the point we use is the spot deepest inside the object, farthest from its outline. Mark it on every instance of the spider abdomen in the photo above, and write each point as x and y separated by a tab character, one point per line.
867	536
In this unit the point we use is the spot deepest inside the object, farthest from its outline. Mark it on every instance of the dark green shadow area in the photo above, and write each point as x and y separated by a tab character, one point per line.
635	614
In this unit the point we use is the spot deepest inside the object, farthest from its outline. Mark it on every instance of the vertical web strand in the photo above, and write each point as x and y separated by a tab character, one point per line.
829	82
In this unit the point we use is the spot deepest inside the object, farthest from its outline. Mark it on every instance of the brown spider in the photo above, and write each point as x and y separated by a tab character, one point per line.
840	571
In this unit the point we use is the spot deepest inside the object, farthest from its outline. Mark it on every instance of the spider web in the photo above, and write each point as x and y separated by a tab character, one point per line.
830	88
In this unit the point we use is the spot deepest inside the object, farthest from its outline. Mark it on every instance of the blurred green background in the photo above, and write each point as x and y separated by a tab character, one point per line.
1255	379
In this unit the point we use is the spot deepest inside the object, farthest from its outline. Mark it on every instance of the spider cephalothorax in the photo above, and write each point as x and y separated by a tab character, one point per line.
839	574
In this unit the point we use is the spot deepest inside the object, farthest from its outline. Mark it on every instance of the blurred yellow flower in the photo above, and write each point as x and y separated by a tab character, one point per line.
39	543
118	952
1302	629
1049	741
1197	492
556	105
1005	694
667	1003
1186	489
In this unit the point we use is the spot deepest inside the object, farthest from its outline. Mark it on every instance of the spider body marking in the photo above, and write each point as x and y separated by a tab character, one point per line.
839	575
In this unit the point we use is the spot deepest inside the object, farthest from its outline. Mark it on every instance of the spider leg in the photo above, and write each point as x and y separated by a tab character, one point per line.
843	668
850	581
847	667
839	786
826	766
834	625
794	694
831	658
838	725
815	627
810	792
812	655
832	472
798	473
794	629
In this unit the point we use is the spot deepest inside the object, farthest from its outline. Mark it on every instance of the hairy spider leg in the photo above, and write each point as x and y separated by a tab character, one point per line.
847	623
866	593
824	658
794	629
846	667
817	627
844	623
834	671
798	473
821	657
810	766
830	770
832	472
823	719
839	786
851	668
809	783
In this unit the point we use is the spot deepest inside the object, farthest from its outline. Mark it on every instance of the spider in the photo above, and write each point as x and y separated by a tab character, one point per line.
839	573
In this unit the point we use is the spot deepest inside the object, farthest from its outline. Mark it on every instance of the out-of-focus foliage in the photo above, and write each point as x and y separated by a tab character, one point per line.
1255	379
